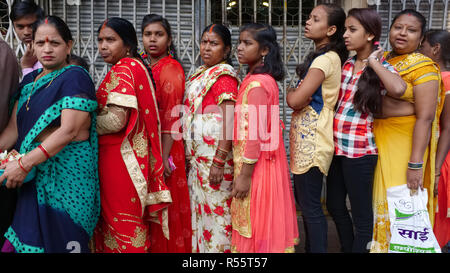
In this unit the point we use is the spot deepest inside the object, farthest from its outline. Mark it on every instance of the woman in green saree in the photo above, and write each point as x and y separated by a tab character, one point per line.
53	125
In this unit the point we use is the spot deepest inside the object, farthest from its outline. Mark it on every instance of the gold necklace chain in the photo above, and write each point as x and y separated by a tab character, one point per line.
32	89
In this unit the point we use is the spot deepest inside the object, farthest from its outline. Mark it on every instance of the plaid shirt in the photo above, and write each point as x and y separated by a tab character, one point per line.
353	130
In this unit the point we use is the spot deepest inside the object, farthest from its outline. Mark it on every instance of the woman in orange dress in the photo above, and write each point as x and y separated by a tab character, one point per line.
169	79
263	210
132	189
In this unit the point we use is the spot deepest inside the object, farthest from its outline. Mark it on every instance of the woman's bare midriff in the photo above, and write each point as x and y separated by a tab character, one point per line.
83	134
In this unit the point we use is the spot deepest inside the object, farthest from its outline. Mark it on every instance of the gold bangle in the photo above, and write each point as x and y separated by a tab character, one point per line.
223	150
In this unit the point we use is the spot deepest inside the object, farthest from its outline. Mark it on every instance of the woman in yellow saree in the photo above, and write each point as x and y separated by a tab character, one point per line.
406	136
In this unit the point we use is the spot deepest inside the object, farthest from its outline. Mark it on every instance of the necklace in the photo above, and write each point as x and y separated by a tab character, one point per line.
32	89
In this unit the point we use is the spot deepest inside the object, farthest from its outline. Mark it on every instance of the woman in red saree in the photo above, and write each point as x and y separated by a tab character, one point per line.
169	79
132	189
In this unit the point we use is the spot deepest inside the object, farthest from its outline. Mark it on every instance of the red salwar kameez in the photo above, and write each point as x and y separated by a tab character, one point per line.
169	79
132	188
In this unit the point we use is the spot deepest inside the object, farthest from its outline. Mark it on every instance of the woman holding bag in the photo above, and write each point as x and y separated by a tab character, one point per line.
406	136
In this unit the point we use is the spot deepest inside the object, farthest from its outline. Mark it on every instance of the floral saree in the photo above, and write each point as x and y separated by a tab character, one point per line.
210	204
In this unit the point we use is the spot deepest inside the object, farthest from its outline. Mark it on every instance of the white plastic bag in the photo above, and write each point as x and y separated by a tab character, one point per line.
411	230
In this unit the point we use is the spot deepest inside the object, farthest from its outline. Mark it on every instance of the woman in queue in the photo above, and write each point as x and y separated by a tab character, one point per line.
132	186
53	125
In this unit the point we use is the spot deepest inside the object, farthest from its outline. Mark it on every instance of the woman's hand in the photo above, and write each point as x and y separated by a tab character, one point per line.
167	169
414	180
241	186
436	184
13	174
377	54
215	175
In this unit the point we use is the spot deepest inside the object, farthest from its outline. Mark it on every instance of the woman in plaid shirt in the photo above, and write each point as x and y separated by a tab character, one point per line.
365	79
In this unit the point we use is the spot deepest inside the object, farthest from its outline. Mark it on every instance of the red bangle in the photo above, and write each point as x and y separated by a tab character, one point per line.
218	162
21	166
44	151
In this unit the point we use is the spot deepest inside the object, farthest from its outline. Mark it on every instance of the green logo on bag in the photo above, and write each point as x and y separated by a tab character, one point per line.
405	216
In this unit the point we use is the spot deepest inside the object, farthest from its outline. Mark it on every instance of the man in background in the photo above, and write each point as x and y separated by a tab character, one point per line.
23	15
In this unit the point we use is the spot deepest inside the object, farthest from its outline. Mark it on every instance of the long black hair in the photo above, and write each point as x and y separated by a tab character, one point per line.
368	97
22	8
60	26
266	37
336	17
442	37
156	18
127	33
224	34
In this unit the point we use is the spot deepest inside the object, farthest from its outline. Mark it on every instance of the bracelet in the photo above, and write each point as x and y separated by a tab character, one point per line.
21	165
220	153
218	162
415	165
373	57
217	166
44	151
222	150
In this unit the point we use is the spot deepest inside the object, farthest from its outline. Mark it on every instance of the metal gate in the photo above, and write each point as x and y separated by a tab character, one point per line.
189	17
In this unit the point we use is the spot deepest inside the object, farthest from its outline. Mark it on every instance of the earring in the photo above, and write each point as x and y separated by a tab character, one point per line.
263	58
128	53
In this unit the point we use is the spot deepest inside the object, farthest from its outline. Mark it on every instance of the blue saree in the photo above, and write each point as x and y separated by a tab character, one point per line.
58	210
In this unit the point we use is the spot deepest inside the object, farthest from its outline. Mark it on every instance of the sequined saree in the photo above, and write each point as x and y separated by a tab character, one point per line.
132	188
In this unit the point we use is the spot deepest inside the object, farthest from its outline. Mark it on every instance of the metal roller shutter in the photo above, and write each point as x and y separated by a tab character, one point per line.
85	18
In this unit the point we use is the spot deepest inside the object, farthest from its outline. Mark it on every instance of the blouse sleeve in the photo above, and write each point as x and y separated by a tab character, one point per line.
425	74
225	88
259	114
80	85
120	88
325	63
172	82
